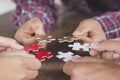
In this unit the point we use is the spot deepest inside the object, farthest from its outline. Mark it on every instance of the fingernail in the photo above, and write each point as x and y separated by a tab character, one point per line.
116	56
75	58
77	33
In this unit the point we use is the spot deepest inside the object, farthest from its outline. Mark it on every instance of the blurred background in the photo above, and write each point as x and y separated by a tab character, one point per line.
6	27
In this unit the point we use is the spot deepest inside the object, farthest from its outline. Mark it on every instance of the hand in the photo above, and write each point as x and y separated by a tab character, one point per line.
90	30
110	48
18	65
6	43
25	33
88	68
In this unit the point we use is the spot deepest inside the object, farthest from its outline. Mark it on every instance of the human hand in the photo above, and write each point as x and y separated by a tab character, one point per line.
90	30
109	48
18	65
25	33
88	68
6	43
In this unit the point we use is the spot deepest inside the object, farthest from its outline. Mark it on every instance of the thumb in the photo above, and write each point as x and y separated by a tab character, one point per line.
38	27
107	46
79	32
40	32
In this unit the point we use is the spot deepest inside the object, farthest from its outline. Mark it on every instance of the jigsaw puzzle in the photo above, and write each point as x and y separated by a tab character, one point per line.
52	67
68	39
77	46
57	52
49	39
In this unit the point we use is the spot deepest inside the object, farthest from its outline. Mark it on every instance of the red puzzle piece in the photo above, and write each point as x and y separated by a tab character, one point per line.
39	54
34	47
43	55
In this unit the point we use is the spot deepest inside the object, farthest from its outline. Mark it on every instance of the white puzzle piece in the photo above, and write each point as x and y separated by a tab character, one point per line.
78	46
65	56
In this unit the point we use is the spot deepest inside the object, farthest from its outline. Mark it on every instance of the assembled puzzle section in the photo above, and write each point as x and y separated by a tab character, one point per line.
52	67
47	39
55	54
72	43
65	56
57	47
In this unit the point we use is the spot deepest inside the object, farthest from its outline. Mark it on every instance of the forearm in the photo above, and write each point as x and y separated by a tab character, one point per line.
110	23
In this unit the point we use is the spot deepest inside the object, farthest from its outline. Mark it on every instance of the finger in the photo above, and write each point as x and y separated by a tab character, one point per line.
17	53
96	36
76	78
40	32
44	44
8	42
32	63
110	55
38	27
2	48
80	32
31	74
16	46
27	40
67	68
87	59
112	46
93	52
85	39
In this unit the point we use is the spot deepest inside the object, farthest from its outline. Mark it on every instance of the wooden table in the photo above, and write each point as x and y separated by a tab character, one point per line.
52	68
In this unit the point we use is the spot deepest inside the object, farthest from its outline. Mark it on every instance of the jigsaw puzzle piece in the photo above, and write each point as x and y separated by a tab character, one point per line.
34	47
77	46
66	57
47	39
68	39
43	55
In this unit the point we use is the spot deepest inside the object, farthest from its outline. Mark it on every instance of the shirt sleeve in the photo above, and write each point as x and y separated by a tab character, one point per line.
111	23
43	9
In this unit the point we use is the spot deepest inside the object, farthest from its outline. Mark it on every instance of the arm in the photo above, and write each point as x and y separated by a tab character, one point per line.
28	9
110	23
